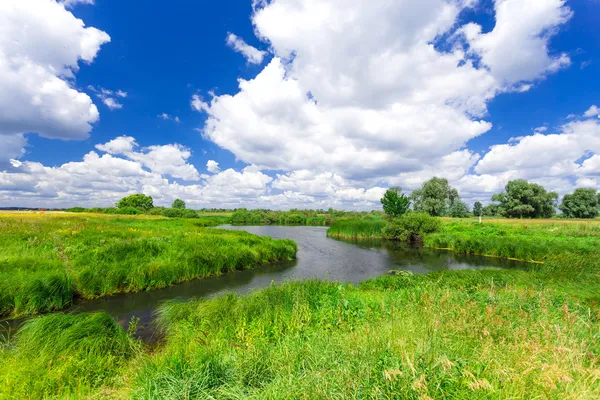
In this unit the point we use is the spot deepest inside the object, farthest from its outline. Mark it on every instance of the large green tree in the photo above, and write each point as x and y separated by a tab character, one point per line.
395	203
478	209
583	203
435	197
458	209
139	201
522	199
179	204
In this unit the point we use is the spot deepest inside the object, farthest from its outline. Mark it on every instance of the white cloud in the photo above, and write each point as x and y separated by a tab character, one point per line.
360	92
120	145
13	147
170	159
167	117
112	103
252	54
73	3
108	97
101	180
37	67
212	166
593	111
198	104
517	48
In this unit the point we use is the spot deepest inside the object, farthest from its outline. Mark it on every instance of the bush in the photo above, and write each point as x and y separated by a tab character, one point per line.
76	210
411	227
178	213
128	211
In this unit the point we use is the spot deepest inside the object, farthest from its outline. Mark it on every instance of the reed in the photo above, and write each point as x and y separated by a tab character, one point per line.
357	229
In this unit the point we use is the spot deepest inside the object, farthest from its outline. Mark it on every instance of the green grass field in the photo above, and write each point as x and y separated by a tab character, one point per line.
47	260
471	334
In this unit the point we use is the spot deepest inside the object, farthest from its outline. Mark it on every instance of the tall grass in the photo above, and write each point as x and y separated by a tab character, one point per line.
357	229
471	334
65	356
468	334
47	261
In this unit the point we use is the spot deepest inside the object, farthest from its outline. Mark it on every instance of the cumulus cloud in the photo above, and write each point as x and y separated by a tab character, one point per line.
593	111
170	159
37	67
517	48
13	147
101	180
366	94
252	54
212	166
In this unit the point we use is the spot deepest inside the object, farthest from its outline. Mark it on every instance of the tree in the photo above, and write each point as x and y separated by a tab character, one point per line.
395	203
139	201
458	209
435	197
477	209
522	199
583	203
491	210
179	204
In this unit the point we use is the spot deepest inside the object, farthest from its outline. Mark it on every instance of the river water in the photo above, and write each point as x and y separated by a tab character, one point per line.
318	257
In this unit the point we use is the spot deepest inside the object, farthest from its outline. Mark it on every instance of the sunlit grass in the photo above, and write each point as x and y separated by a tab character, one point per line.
47	260
471	334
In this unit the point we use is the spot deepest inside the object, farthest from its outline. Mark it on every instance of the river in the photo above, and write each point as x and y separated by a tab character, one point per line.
318	257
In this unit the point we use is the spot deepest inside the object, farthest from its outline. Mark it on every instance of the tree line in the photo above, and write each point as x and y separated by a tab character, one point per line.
520	199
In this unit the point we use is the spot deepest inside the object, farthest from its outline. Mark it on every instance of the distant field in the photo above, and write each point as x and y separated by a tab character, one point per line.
47	259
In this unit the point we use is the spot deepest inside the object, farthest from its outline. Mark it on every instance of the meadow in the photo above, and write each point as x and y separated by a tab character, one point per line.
47	260
470	334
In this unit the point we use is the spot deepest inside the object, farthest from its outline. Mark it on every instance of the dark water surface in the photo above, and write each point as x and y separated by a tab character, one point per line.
318	257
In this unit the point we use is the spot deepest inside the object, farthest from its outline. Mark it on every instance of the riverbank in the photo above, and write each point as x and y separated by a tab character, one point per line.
524	240
48	260
449	334
459	334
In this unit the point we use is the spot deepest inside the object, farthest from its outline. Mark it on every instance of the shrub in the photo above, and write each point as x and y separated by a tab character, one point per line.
411	227
76	210
128	211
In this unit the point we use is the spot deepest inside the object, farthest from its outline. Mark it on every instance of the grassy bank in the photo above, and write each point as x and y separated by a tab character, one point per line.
357	229
47	260
471	334
463	334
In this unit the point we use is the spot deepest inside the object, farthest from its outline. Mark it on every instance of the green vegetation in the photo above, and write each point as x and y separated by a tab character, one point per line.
490	334
178	204
395	204
437	198
65	356
583	203
522	199
48	260
478	209
243	216
139	201
411	227
357	229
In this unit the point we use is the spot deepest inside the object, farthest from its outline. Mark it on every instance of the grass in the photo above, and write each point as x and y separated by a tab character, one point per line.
471	334
65	356
357	229
48	260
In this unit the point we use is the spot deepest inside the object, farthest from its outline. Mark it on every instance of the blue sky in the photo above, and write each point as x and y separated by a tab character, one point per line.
341	103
